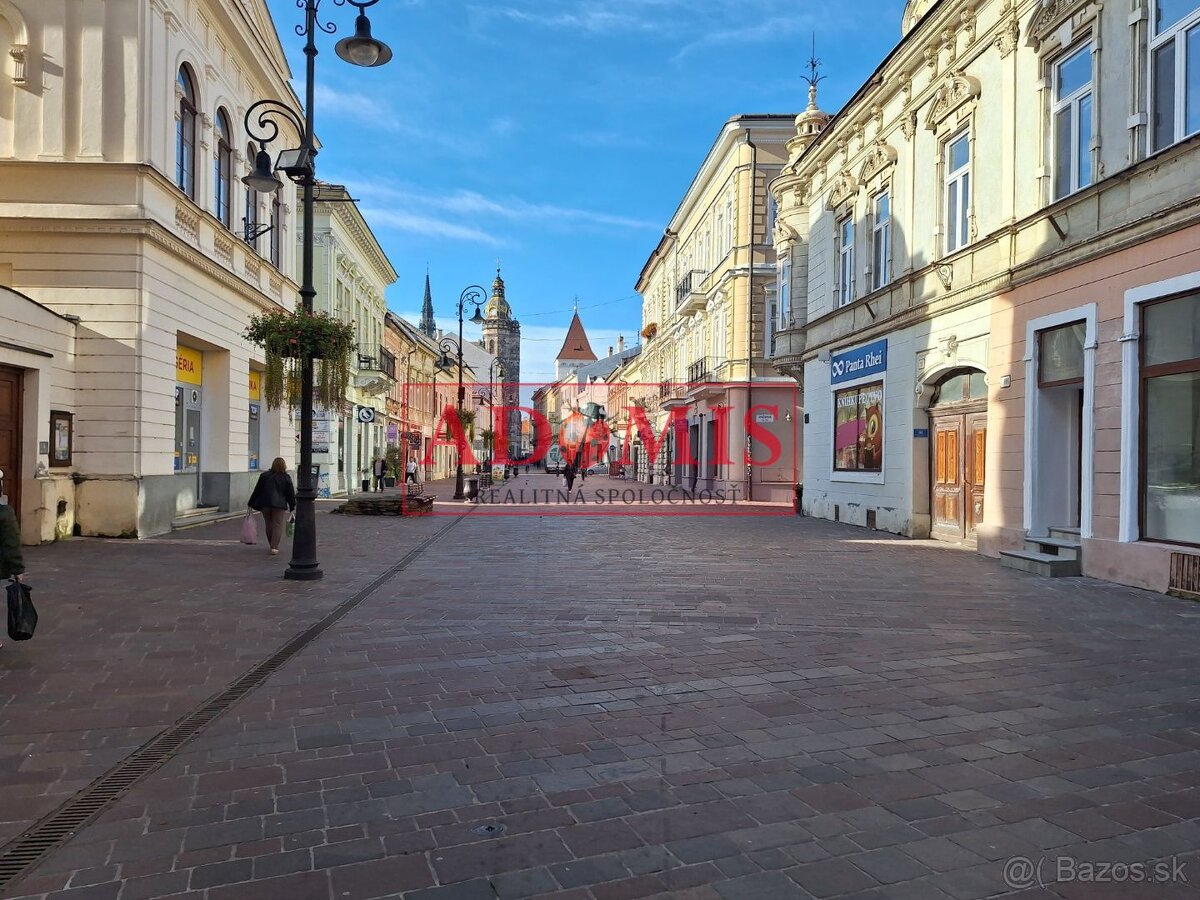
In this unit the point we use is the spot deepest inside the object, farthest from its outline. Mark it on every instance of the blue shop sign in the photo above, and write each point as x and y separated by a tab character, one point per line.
869	359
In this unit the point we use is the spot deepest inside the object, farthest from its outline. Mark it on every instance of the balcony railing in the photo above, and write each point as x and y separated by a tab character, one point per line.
688	285
699	371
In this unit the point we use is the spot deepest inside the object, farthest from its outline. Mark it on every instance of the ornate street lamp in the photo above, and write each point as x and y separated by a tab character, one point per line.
477	296
298	164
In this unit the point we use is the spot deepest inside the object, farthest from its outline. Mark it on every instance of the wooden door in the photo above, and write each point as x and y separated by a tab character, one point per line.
10	434
974	470
948	499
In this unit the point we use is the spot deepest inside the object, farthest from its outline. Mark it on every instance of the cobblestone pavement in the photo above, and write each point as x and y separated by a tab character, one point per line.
688	707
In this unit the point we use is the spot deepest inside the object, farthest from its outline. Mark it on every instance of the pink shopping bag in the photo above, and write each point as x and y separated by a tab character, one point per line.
249	529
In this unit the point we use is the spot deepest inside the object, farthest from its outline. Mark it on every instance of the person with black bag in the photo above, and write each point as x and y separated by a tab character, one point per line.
275	497
12	566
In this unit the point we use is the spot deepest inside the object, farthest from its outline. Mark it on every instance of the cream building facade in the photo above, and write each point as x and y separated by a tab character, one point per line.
708	316
991	268
351	274
121	148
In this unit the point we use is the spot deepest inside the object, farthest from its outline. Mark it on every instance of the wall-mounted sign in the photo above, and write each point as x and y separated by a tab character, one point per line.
764	418
861	362
189	365
393	432
920	432
255	385
366	415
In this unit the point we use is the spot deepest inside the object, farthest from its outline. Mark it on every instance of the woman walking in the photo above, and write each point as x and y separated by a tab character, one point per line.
275	497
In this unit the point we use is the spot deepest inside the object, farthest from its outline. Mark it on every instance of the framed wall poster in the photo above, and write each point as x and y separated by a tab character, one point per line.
61	439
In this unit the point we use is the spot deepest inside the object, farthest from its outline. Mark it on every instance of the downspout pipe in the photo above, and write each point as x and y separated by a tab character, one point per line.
750	314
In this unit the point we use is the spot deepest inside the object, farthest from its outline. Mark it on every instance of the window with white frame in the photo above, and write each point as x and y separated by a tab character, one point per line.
1072	122
1174	71
729	224
223	170
784	268
846	261
772	319
772	212
957	191
881	240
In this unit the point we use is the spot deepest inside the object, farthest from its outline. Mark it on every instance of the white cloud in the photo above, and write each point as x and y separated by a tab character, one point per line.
428	226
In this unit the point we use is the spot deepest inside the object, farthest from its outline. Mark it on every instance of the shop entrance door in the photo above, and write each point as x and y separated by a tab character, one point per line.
958	426
10	435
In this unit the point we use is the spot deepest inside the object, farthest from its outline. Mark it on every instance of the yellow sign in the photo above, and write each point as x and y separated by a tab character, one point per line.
189	365
255	385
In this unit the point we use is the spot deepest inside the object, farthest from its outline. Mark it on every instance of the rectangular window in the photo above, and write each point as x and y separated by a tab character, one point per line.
846	261
1072	114
958	192
1170	426
1060	355
881	241
62	439
784	268
276	230
858	429
772	212
772	320
1174	72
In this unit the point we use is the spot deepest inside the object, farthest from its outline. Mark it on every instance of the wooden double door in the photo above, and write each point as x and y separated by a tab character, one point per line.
959	447
10	434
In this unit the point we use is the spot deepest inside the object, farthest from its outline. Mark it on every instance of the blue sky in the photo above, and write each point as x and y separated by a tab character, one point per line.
557	135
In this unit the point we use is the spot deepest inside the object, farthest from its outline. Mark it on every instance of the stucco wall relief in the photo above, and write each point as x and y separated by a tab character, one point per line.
957	91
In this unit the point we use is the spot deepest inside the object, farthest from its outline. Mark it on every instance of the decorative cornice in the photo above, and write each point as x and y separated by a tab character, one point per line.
957	89
1008	36
1049	17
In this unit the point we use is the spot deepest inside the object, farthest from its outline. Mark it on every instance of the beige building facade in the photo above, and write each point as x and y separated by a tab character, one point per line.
708	324
121	149
993	307
351	273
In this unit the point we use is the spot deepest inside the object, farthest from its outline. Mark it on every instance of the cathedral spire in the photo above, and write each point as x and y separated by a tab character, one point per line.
427	326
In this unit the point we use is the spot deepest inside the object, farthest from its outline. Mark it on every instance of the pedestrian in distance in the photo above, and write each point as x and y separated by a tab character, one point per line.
410	470
569	475
12	563
275	497
379	470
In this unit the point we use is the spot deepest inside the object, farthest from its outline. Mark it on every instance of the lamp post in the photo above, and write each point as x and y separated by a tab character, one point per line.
476	296
298	164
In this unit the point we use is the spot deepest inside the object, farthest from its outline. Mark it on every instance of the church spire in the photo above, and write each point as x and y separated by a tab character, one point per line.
427	326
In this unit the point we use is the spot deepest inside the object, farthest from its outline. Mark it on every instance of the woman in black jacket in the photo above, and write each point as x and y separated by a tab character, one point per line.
275	497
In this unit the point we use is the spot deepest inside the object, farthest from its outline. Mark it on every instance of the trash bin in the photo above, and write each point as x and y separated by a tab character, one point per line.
472	488
366	485
799	499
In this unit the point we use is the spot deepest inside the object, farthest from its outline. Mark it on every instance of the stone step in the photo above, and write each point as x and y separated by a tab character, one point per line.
197	511
1053	546
1066	532
194	518
1040	563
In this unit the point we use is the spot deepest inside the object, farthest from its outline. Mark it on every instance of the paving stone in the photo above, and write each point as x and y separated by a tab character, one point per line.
831	877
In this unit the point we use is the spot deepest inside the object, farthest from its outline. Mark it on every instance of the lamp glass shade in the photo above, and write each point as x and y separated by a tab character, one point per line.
477	319
362	49
262	179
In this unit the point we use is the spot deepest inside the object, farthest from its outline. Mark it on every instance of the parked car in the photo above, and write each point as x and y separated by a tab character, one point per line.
598	469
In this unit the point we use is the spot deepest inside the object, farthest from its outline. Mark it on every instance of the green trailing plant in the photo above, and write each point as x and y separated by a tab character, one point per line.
287	338
467	420
488	436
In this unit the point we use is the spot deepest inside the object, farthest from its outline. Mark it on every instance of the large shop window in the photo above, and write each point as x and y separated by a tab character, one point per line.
1170	426
858	429
1174	71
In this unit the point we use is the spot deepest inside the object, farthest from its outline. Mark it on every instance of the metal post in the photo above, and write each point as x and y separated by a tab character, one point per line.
459	493
304	565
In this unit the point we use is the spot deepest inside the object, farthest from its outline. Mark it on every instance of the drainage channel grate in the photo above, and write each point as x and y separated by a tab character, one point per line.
33	845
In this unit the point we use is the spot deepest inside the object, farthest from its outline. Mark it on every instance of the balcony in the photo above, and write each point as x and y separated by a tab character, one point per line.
699	371
375	372
689	293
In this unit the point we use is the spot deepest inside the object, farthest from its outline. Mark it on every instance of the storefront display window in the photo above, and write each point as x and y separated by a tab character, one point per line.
1171	420
858	429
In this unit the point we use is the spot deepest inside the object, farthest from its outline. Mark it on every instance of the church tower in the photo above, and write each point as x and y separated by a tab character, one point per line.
502	339
427	326
576	352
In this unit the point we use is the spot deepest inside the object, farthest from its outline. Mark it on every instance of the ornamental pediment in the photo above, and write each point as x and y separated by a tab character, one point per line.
1051	15
844	187
879	158
957	90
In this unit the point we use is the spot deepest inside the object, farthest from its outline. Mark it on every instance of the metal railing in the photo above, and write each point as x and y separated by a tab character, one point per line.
688	284
699	371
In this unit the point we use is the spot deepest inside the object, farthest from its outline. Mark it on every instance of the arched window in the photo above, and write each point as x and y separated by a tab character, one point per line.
185	134
223	170
960	386
251	196
276	229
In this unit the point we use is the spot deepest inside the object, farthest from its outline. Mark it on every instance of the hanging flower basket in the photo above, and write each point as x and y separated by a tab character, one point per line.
650	331
288	338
